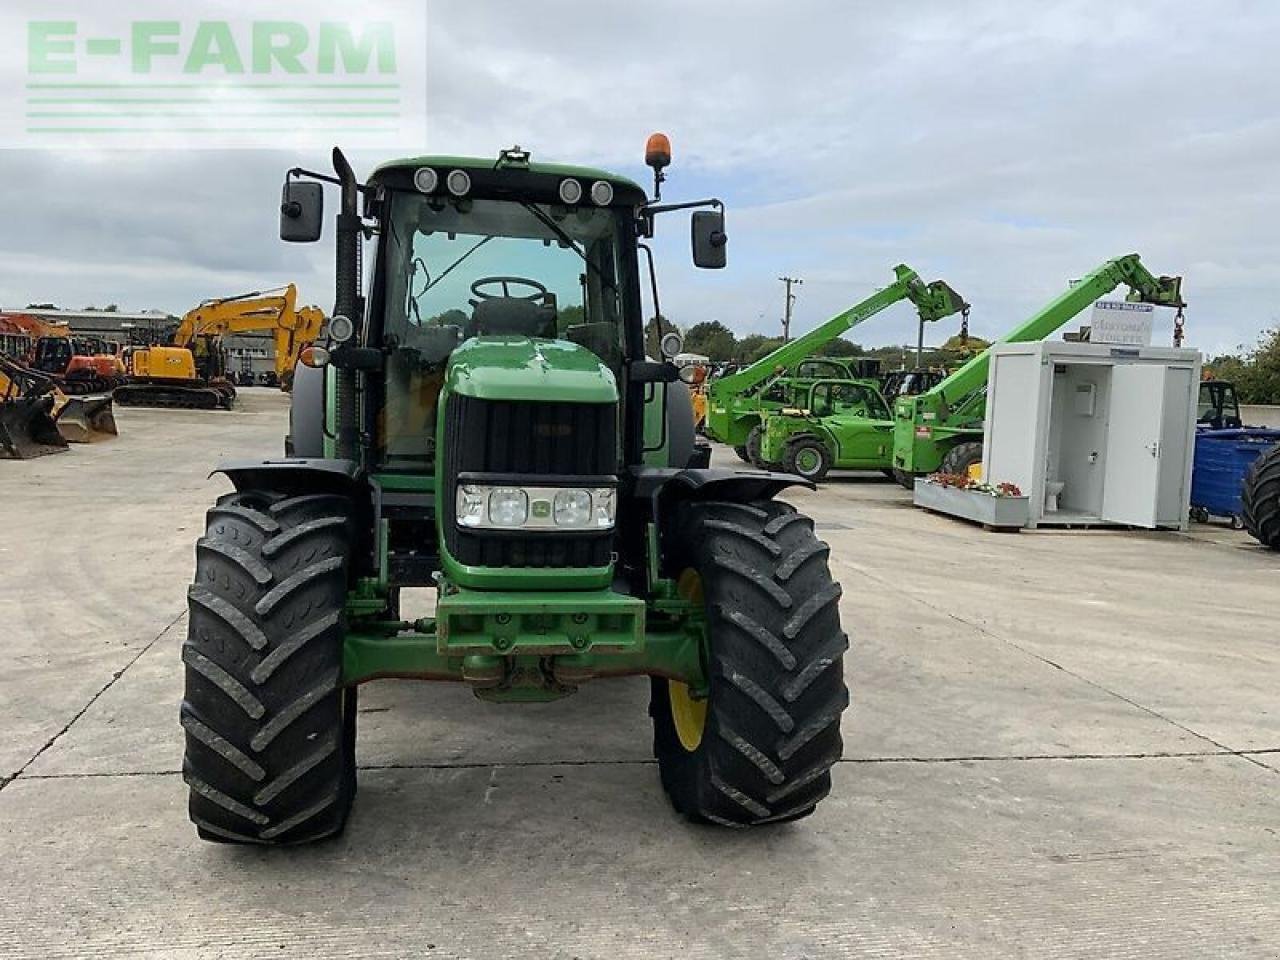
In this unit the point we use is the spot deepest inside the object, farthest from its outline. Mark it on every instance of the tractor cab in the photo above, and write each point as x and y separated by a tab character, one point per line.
1218	408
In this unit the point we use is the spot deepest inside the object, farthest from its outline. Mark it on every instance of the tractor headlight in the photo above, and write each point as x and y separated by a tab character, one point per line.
458	182
341	329
604	505
570	191
508	507
572	508
471	505
426	179
544	509
602	193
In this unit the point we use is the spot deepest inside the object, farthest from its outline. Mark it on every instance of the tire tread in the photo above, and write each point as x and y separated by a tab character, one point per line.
777	684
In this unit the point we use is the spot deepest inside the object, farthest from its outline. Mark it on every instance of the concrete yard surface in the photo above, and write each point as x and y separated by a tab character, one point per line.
1061	744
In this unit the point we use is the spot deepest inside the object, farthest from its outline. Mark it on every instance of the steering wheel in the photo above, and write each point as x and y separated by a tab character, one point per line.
540	292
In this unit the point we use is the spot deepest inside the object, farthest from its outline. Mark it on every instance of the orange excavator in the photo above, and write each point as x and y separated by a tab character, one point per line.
78	364
191	370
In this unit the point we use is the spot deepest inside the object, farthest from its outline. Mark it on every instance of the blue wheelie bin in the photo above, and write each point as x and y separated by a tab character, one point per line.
1222	458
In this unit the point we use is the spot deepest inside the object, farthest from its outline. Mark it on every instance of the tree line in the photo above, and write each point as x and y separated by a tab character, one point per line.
1255	372
713	339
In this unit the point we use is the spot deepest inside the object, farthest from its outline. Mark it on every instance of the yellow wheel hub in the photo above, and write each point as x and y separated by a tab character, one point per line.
688	715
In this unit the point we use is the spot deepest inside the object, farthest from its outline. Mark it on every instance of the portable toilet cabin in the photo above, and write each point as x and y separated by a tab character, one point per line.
1094	434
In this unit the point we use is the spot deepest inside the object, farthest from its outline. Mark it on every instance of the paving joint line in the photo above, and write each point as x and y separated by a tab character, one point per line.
1224	748
6	780
853	761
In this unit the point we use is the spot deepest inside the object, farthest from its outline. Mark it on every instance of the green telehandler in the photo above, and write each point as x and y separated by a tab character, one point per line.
484	421
736	404
941	429
839	424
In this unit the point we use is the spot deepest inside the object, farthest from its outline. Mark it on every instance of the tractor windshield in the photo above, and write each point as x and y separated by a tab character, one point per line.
504	267
456	270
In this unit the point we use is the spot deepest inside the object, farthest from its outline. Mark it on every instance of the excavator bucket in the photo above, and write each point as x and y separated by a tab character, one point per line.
27	429
86	419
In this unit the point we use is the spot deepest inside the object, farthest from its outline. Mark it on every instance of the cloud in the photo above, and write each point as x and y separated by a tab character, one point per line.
1005	148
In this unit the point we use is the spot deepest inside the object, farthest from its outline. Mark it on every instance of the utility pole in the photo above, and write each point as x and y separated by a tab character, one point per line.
791	299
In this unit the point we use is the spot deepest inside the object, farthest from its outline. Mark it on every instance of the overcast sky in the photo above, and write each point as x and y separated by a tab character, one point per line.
1005	147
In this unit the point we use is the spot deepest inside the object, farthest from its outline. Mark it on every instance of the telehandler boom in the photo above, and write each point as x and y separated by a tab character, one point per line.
736	404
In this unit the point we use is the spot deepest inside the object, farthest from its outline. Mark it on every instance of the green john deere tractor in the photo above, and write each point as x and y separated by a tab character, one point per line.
484	421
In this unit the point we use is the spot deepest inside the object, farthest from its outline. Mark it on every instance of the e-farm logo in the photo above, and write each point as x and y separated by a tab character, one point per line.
222	79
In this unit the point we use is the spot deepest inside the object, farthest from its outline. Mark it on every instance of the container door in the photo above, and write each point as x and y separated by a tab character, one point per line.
1131	489
1176	445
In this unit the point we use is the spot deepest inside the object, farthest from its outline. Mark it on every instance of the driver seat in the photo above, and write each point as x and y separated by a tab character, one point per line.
513	316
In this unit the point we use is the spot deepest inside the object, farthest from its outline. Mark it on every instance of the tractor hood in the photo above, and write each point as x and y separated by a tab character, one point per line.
524	368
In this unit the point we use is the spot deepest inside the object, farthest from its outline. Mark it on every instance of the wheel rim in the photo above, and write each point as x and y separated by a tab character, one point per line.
689	716
808	461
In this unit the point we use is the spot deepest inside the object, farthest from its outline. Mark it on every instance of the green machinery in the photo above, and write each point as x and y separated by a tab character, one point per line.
483	421
737	403
840	424
941	429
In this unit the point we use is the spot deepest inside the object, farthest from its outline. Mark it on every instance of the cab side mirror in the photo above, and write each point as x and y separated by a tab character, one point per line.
301	212
709	239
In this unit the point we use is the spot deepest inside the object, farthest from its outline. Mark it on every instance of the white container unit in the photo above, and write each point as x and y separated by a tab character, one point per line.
1094	434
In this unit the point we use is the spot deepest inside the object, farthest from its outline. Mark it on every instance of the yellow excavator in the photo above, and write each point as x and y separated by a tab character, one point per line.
191	371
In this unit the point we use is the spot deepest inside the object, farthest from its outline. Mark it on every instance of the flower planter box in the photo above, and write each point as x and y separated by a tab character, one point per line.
994	513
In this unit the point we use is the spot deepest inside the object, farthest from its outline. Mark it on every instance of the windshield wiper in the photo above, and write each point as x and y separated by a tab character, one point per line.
569	242
449	269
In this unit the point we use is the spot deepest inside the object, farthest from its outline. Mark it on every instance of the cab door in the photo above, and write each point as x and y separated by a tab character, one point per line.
861	425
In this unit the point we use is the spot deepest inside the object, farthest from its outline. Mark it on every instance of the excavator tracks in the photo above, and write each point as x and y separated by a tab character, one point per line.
221	396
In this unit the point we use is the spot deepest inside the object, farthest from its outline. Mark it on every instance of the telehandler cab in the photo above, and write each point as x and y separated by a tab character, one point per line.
484	421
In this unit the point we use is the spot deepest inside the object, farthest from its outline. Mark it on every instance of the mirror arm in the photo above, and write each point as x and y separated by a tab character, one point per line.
651	210
299	172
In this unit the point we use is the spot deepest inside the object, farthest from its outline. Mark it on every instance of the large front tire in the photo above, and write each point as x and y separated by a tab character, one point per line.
759	748
270	731
1260	499
961	457
755	440
905	480
808	458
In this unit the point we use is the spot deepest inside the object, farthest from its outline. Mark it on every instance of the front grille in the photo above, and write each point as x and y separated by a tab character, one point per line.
527	439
